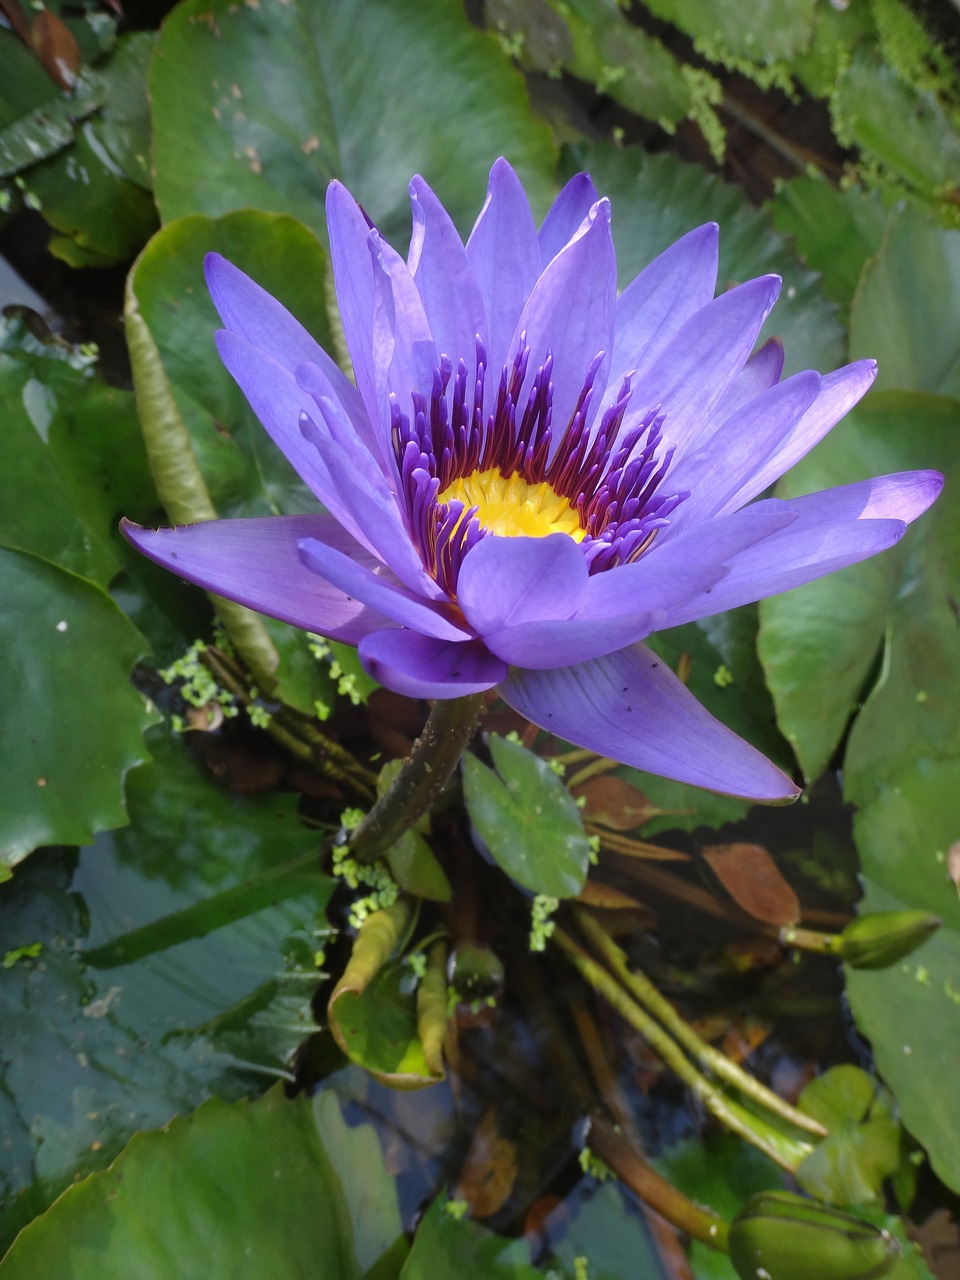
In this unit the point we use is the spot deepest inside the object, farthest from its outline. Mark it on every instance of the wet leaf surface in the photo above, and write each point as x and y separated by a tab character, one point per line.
285	1206
357	115
213	1006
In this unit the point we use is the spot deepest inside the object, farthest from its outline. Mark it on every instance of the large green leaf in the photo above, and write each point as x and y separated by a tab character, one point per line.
835	231
906	313
66	433
902	762
820	642
527	819
656	199
177	960
72	723
910	1012
265	1189
262	105
760	33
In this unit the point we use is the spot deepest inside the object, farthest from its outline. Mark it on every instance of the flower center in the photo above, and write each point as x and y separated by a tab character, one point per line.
514	507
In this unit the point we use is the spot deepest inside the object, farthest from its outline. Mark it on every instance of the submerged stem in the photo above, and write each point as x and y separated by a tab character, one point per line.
780	1147
619	1155
436	753
643	990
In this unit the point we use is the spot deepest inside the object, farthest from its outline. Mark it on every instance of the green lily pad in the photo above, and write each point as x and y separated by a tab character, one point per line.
36	119
73	723
248	1188
447	1243
904	838
835	231
908	130
657	198
66	432
776	30
820	642
229	133
849	1166
527	819
177	961
906	313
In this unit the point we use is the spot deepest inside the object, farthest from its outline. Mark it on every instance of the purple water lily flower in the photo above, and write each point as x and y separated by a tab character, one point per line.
533	474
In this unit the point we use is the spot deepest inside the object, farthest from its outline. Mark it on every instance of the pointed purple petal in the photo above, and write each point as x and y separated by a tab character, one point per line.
839	392
762	371
404	352
359	494
697	367
422	667
714	473
505	256
630	706
674	287
830	530
255	562
444	278
566	214
353	273
570	312
248	310
389	599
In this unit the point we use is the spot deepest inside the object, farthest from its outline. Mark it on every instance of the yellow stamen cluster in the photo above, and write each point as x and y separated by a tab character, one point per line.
513	508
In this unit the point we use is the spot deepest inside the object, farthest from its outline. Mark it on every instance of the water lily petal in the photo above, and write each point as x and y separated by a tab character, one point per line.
357	491
665	294
762	371
252	313
839	392
831	529
566	214
389	599
423	667
278	402
506	581
570	314
505	256
403	346
255	563
700	363
353	275
630	706
715	473
444	278
531	601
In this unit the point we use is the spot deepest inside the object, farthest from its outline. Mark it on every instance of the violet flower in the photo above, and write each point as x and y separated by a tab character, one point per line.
533	474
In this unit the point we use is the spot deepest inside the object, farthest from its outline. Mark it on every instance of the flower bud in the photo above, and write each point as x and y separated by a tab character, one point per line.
781	1236
881	938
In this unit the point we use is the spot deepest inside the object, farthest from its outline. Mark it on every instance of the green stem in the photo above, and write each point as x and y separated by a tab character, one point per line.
785	1151
826	944
650	998
435	755
653	1188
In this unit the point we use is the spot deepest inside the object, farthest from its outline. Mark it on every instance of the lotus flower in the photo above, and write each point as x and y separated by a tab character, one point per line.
532	474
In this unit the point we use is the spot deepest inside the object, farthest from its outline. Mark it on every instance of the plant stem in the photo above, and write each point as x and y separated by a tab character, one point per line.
435	755
650	998
827	944
785	1150
653	1189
